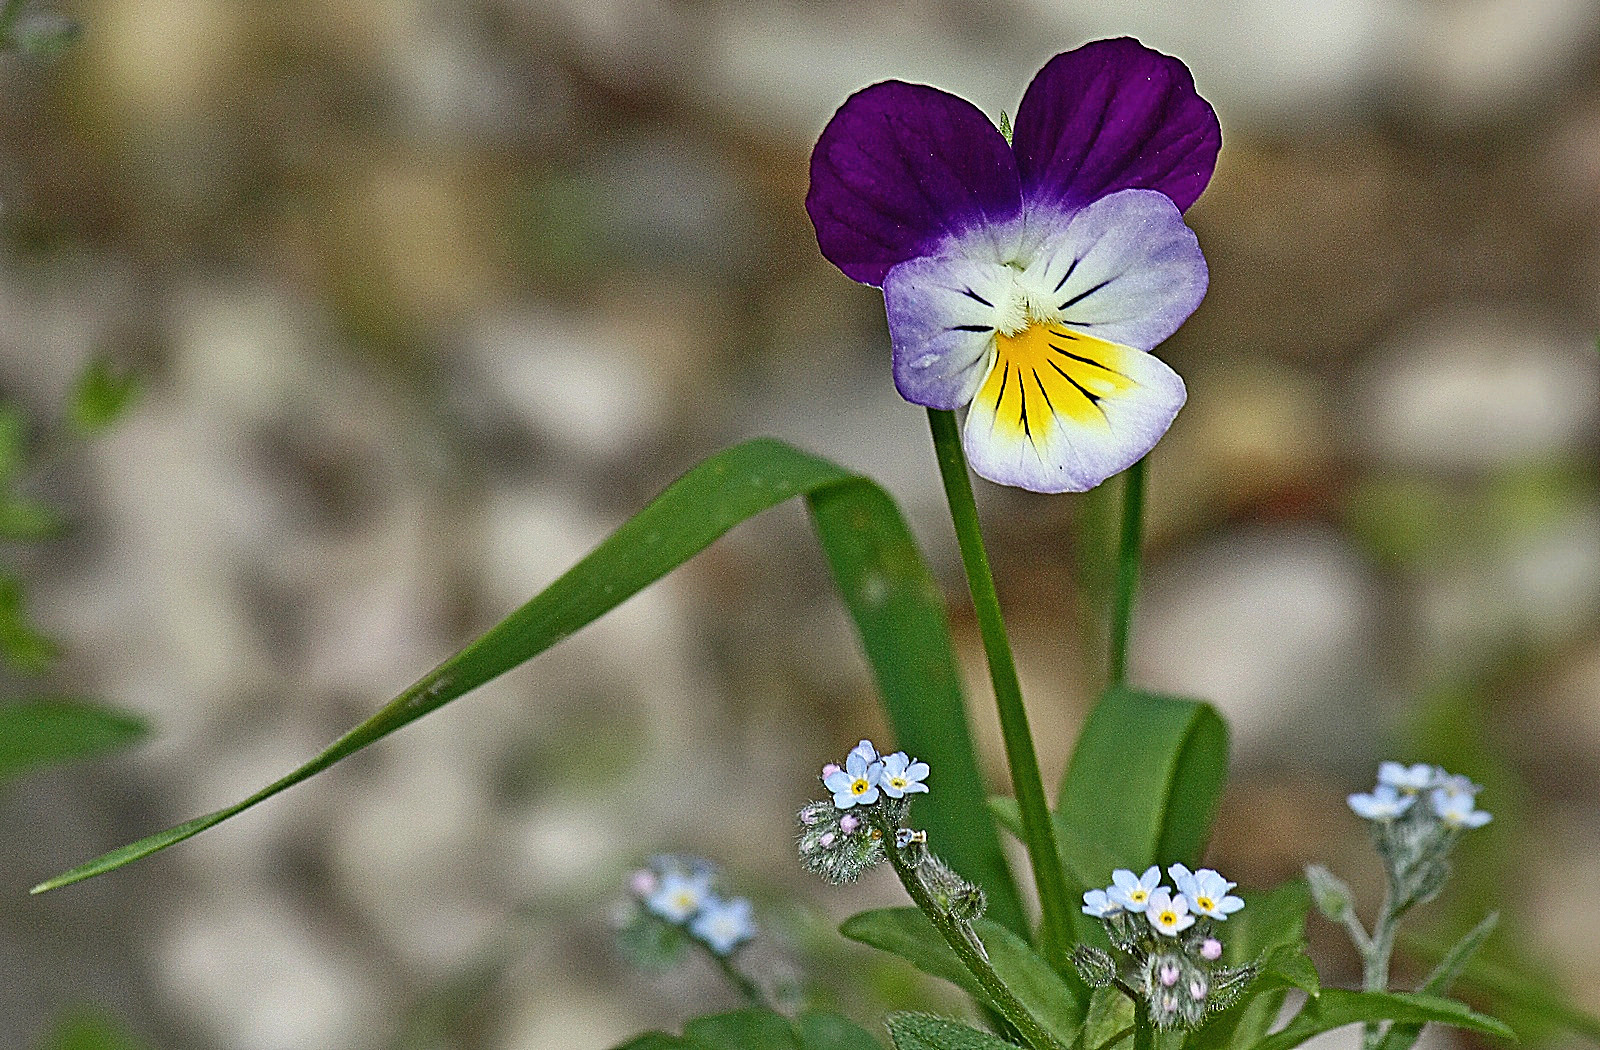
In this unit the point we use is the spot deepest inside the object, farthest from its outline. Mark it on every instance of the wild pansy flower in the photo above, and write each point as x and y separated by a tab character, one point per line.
1458	809
1169	915
1099	904
1207	892
1384	803
902	776
1029	279
723	925
857	782
1133	894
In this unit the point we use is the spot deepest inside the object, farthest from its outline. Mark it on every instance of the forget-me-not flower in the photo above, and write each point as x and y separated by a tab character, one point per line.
680	894
1028	280
724	925
1409	779
1168	914
1099	904
1384	803
1458	809
857	782
902	776
1207	892
1133	894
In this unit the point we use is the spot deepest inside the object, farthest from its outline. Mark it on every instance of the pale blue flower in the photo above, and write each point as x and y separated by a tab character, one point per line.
903	776
1384	803
1458	809
1168	914
680	894
723	925
1177	873
1207	891
868	753
1133	894
857	782
1099	904
1408	779
1457	785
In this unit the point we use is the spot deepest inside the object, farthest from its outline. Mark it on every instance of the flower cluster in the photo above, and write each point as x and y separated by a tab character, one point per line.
839	839
1416	814
1168	941
677	896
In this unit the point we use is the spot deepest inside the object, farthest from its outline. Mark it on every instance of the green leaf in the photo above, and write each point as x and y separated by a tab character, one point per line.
101	396
1086	862
906	932
876	564
926	1032
24	648
13	438
1511	989
90	1030
1403	1036
43	732
1336	1008
742	1030
828	1031
657	1041
1110	1019
1145	778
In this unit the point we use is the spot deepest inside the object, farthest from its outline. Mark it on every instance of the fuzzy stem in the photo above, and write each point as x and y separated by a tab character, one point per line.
1038	829
747	988
1144	1033
963	940
1375	956
1127	571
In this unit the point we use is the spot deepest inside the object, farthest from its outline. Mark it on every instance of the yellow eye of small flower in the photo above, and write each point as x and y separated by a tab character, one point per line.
1204	903
1138	896
858	787
1168	918
684	899
898	782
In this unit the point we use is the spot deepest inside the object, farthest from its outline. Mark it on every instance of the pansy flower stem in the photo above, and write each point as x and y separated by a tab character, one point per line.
1127	570
962	939
1037	827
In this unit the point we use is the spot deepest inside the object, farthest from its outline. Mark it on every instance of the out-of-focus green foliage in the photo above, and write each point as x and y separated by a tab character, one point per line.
90	1030
101	396
44	732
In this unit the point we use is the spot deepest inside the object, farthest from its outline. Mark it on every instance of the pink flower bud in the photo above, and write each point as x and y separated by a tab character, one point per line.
1197	989
849	822
642	883
826	840
829	770
808	818
1169	974
1211	949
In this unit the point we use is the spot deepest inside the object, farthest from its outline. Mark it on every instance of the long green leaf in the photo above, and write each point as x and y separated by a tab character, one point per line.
1404	1036
43	732
1336	1008
1510	989
926	1032
875	561
906	932
827	1031
754	1029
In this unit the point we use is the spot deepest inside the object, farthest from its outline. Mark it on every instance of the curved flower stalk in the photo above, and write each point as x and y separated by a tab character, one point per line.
864	825
1415	814
1029	279
675	904
1166	944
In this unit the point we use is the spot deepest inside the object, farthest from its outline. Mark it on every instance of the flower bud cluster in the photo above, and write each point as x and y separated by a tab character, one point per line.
1416	814
675	897
840	839
1166	943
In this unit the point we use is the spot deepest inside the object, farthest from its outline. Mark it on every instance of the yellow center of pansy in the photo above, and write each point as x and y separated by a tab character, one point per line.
1048	371
859	786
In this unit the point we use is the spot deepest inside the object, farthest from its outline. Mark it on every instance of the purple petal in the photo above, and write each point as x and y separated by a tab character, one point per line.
1114	115
1125	269
942	312
902	168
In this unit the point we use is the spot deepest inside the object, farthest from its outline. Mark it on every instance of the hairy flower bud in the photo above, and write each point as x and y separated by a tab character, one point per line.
1095	966
1332	896
838	846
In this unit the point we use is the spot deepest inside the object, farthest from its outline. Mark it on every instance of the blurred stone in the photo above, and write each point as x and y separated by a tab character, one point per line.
255	974
1274	627
1473	389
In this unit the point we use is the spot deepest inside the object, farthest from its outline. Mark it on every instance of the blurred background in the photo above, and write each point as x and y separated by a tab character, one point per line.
424	298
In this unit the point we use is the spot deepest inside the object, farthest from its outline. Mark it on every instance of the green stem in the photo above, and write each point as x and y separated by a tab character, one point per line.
747	988
1127	570
1144	1033
1375	956
963	940
1037	826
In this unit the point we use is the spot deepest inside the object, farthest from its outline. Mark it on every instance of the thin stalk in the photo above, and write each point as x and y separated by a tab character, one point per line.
963	940
747	988
1144	1033
1375	956
1037	826
1127	571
